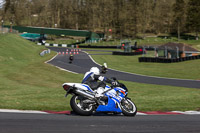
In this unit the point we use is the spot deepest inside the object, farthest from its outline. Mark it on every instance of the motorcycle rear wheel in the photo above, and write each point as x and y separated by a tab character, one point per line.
128	107
81	108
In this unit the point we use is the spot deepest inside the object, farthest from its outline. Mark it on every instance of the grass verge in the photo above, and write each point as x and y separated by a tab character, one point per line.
27	83
182	70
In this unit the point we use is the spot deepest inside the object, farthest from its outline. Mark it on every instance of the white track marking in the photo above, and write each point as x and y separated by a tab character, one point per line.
22	111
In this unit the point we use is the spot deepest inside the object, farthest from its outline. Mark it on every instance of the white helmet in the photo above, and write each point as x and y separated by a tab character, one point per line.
95	70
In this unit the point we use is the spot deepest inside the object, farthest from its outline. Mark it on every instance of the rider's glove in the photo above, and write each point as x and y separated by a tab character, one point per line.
114	83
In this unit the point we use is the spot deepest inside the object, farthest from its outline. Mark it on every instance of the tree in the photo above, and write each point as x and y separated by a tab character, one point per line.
161	16
132	18
179	15
193	16
126	18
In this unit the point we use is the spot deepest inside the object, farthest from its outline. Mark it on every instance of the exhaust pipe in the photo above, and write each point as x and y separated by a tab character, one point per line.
83	93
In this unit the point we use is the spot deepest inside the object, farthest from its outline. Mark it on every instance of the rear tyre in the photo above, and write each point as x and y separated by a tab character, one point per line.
81	108
128	107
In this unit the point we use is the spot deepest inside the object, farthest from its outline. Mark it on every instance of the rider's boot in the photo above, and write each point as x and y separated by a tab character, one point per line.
100	96
99	92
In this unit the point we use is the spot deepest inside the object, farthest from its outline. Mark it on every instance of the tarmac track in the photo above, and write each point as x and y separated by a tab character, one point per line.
45	123
82	63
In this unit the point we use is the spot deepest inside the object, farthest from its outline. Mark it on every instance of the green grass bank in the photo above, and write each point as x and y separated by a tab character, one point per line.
182	70
27	83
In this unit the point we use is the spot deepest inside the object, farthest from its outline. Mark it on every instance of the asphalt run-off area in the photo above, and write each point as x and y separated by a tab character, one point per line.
35	122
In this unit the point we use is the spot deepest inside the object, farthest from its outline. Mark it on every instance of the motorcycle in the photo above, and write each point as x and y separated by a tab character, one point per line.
71	58
115	100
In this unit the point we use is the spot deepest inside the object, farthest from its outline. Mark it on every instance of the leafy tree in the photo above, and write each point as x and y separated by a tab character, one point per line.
126	18
193	16
132	18
179	15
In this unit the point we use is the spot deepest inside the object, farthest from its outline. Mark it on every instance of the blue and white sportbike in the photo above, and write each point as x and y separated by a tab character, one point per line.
115	100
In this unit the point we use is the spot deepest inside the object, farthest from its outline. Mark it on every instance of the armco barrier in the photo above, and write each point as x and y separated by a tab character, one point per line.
165	60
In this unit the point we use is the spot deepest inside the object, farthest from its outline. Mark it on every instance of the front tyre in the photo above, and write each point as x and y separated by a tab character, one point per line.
81	108
128	107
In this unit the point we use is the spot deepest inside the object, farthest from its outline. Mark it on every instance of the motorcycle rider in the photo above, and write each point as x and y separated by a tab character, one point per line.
71	58
96	81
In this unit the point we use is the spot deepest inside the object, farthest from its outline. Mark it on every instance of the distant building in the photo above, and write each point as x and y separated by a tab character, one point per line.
175	50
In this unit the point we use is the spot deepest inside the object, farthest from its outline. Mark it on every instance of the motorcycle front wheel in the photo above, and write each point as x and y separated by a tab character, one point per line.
80	107
128	107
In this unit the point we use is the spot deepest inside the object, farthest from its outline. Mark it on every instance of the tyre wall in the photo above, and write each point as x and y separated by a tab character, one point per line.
164	60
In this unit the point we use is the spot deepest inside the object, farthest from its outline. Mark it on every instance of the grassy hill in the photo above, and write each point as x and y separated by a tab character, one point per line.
26	82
